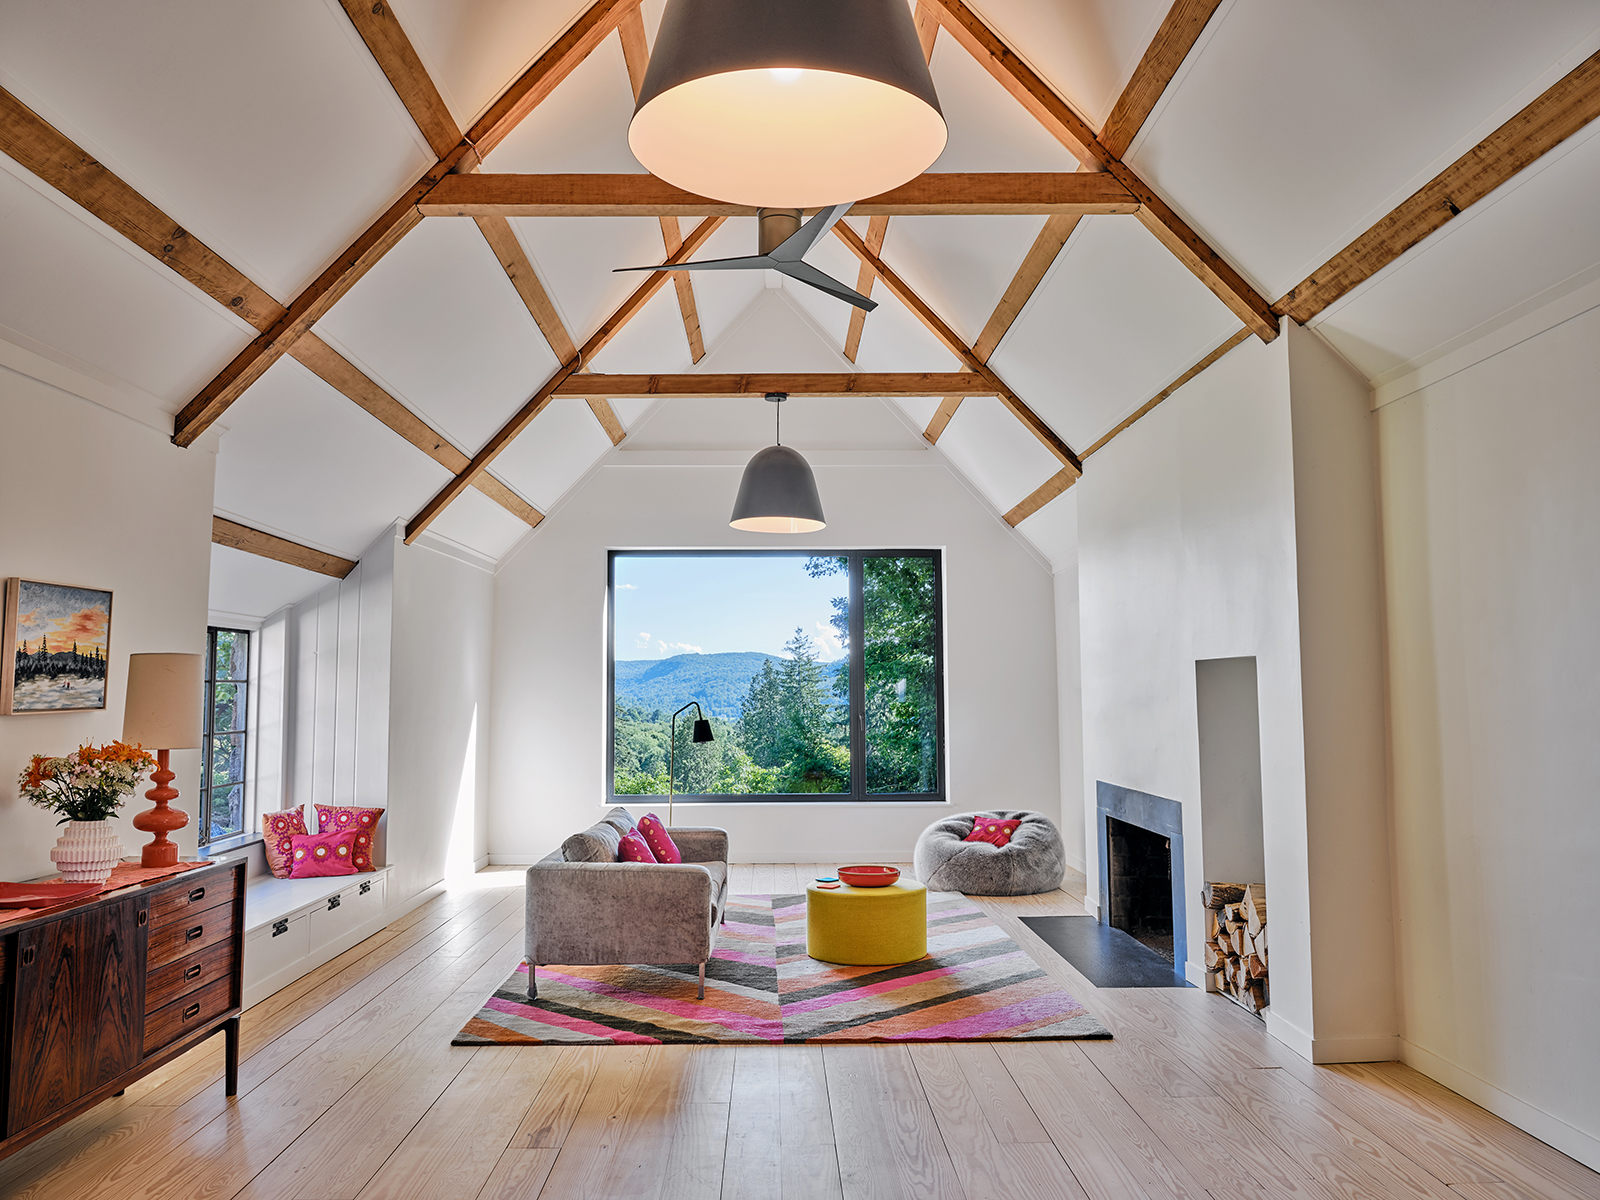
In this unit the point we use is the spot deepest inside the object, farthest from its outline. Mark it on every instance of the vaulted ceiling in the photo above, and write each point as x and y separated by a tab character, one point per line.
215	211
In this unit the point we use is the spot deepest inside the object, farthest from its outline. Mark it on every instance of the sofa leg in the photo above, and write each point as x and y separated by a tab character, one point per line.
533	984
702	981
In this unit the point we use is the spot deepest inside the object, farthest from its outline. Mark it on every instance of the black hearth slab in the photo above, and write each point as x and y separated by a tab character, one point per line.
1106	957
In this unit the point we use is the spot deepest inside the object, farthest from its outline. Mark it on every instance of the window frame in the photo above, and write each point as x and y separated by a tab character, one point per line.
209	735
857	714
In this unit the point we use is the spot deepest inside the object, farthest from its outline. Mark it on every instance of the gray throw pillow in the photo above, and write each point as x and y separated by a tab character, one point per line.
600	842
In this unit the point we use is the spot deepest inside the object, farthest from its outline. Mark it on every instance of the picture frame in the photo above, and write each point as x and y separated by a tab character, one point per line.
58	648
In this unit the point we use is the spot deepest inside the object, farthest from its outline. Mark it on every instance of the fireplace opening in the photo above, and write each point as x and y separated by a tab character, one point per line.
1140	884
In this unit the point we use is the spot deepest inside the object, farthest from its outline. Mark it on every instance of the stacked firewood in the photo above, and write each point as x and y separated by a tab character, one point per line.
1236	941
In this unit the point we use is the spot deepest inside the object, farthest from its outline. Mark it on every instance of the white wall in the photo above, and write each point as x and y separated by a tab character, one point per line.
1069	684
95	498
1229	718
1491	517
549	710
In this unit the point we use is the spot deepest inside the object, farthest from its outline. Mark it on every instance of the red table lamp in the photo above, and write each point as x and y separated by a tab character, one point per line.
162	713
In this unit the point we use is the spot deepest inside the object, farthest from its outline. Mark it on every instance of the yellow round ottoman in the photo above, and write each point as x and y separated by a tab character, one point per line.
867	926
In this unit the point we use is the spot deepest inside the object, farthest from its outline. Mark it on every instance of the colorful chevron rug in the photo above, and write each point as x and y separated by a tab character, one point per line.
975	984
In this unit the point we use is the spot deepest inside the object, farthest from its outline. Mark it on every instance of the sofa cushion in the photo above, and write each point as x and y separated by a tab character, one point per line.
318	854
277	829
635	849
601	842
658	839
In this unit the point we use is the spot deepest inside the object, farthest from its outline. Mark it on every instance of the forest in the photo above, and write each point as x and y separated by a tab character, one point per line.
792	731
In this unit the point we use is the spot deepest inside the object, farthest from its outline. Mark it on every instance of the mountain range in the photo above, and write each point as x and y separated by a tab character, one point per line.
718	681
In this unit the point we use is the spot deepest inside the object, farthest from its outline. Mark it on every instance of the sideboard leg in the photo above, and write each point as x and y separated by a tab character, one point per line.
230	1036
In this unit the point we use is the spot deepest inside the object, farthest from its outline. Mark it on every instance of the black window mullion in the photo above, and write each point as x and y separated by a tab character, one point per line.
858	683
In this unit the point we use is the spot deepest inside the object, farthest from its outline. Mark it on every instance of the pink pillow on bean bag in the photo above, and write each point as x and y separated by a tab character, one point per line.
277	828
992	830
634	848
317	854
658	839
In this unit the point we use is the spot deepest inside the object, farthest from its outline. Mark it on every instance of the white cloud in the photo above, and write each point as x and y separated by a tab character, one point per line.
678	648
643	642
828	642
627	587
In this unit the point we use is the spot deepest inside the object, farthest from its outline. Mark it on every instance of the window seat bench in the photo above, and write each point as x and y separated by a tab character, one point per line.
293	926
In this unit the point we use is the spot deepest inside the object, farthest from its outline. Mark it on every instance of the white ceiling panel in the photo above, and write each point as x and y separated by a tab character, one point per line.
1116	320
438	324
575	258
553	453
1493	260
1268	140
73	284
919	409
266	129
961	266
830	315
653	343
582	126
302	461
1053	530
251	586
474	49
1087	49
721	297
894	340
989	130
776	334
810	423
997	455
631	412
478	523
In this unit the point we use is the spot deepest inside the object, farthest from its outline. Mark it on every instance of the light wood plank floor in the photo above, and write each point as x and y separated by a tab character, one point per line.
350	1090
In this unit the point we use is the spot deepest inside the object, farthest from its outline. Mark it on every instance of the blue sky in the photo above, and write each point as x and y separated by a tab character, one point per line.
684	604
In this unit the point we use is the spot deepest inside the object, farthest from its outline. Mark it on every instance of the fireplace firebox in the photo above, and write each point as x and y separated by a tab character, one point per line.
1141	869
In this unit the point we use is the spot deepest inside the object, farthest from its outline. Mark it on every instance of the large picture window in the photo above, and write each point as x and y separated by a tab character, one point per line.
821	673
222	763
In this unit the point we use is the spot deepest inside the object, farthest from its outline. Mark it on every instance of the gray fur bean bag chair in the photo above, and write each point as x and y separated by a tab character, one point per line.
1033	861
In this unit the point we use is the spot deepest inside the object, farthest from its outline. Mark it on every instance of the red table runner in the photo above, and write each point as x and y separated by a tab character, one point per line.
127	873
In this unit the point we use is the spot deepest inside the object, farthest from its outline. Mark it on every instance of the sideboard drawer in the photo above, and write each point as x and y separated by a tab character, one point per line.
187	974
195	932
180	899
194	1011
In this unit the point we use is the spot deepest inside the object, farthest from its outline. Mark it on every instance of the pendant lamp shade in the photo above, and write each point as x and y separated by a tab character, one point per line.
787	103
778	494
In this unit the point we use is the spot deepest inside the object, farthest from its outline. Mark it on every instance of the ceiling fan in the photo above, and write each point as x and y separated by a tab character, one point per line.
782	244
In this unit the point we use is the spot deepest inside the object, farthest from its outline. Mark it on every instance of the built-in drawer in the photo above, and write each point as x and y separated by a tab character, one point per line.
166	1025
188	974
195	932
275	948
183	898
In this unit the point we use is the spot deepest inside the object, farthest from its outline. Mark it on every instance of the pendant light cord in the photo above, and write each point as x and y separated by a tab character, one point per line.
779	415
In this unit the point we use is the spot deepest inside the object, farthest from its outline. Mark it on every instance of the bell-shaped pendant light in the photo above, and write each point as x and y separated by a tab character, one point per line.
787	103
778	493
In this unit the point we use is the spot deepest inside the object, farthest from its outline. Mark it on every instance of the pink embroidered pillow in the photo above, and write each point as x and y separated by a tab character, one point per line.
634	848
332	819
992	830
658	839
277	828
319	854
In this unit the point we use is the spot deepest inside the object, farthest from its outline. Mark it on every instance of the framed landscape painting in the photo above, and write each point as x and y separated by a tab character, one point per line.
58	641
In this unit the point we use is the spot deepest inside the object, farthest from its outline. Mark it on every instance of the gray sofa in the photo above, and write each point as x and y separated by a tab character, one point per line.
587	909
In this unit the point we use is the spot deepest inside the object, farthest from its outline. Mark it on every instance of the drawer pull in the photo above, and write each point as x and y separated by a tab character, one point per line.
333	903
197	931
365	888
280	927
193	972
192	1011
197	894
27	956
144	916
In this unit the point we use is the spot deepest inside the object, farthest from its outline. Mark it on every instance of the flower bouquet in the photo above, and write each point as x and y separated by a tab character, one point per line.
86	788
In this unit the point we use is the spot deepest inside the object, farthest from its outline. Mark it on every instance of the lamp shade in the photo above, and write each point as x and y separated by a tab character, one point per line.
787	104
778	494
702	731
164	697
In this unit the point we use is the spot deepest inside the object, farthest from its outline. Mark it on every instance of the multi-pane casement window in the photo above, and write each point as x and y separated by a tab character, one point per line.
822	674
222	767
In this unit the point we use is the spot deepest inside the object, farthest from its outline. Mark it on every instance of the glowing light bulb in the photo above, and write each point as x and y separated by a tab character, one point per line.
785	74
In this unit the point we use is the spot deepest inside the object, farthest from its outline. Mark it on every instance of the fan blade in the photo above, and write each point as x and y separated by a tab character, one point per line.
750	262
793	248
806	273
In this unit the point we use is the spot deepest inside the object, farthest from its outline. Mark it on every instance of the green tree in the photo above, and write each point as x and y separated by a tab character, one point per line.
761	716
812	735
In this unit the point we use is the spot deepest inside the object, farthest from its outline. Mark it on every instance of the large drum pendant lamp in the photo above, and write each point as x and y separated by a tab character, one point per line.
778	493
787	103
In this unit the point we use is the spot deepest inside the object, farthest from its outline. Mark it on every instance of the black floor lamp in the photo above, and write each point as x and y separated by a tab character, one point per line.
702	733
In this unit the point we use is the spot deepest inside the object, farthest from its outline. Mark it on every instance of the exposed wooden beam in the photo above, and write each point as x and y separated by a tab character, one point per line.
541	399
380	30
1040	496
1178	33
385	233
1041	255
844	383
877	229
636	55
936	194
345	377
269	545
1559	112
942	417
1035	424
1073	132
1242	336
56	159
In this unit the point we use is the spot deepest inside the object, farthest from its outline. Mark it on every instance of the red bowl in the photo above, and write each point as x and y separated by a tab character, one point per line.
866	877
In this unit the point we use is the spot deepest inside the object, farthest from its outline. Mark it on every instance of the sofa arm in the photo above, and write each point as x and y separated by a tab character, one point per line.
700	843
590	913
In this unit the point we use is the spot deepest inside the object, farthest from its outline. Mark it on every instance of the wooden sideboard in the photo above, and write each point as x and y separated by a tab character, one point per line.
97	994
